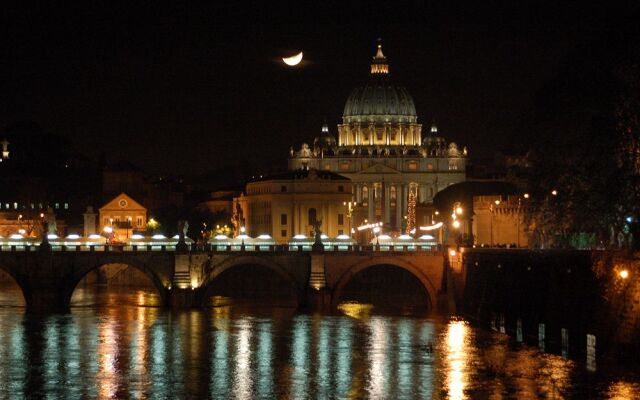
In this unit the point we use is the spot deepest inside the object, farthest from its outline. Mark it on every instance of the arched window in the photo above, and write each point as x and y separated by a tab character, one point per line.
392	196
312	216
365	195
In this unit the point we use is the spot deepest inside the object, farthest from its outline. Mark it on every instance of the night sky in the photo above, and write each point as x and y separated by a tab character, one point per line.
187	89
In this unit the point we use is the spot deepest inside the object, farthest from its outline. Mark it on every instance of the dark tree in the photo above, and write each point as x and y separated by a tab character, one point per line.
585	144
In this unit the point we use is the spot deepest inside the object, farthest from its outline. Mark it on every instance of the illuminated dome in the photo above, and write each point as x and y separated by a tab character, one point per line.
379	113
325	141
379	100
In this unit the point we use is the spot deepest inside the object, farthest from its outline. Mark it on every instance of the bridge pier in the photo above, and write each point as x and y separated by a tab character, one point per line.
180	299
49	300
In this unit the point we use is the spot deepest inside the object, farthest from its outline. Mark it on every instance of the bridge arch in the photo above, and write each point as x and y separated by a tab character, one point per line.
139	265
237	261
414	270
21	283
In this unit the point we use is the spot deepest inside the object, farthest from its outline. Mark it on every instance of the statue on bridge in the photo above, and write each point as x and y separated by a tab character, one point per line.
317	244
183	228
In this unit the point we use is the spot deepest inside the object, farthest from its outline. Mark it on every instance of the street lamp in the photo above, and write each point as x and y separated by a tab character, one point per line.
350	206
492	210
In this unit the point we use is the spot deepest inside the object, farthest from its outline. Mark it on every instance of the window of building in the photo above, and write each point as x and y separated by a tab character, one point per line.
283	188
412	165
139	221
33	206
283	219
340	219
66	206
57	206
327	167
365	195
340	188
312	214
344	166
15	206
283	233
340	232
453	165
430	167
392	196
40	206
106	221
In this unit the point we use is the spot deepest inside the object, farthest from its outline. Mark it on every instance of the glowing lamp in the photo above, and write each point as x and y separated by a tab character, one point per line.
624	274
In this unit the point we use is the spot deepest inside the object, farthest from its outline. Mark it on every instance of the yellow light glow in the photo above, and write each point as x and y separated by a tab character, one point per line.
459	210
432	227
497	202
456	359
554	192
452	253
456	224
624	274
293	60
526	195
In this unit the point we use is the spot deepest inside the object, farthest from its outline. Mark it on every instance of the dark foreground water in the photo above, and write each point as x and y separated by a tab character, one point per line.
238	352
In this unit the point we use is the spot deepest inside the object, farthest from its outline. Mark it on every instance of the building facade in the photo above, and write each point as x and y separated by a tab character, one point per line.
499	221
289	204
122	215
381	148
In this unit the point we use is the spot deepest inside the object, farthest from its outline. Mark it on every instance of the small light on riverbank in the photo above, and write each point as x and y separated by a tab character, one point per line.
624	274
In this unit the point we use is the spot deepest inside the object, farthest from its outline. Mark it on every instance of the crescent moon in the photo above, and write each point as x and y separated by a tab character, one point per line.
293	60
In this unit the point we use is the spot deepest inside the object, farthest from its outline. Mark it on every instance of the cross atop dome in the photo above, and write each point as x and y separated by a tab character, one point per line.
379	64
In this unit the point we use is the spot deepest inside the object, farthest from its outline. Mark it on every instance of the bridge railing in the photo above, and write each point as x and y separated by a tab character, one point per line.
286	248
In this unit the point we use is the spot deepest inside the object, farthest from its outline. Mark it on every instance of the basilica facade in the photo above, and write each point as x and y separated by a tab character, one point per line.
382	149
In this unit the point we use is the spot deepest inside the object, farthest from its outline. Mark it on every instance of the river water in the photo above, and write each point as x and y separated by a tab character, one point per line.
127	348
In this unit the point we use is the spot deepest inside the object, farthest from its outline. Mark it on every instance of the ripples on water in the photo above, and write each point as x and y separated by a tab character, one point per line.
229	352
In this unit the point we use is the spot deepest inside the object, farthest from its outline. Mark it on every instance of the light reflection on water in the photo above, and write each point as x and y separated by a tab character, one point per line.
232	352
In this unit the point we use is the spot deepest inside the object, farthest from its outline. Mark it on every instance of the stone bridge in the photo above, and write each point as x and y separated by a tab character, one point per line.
48	279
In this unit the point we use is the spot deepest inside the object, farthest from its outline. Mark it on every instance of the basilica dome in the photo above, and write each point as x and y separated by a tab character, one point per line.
379	100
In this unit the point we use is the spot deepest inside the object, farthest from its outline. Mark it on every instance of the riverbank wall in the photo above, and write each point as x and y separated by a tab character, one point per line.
555	298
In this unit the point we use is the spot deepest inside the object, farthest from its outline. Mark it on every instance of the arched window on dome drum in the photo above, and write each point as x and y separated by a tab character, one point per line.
365	196
392	196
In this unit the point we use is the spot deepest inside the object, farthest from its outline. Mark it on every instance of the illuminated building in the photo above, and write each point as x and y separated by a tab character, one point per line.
382	150
499	221
288	204
122	216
